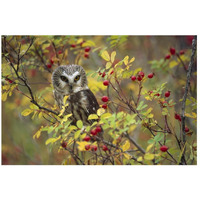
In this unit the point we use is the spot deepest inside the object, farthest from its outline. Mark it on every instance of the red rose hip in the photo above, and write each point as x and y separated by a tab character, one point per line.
187	129
105	148
141	74
177	116
167	57
103	74
86	55
93	132
64	144
104	106
167	94
139	78
49	66
93	147
164	148
87	147
87	49
73	45
98	129
181	52
86	138
106	82
172	51
151	75
133	78
104	98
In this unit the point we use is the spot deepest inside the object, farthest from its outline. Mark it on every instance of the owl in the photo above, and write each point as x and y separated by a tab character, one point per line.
71	80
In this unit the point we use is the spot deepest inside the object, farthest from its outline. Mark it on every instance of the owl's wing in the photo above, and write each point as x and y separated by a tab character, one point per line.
83	104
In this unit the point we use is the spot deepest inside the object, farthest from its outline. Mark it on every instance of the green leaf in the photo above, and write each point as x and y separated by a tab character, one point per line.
158	137
77	134
141	106
79	124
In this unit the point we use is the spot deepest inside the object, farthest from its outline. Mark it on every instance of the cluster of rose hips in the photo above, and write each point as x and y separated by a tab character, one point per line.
172	51
87	138
87	49
49	65
140	76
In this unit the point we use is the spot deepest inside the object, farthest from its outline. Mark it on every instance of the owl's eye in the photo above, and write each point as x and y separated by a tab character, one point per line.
77	78
63	78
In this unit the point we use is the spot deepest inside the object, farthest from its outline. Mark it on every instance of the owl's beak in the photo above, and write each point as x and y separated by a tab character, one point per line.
70	87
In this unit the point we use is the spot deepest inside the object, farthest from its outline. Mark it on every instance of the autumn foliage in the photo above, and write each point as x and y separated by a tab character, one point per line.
139	121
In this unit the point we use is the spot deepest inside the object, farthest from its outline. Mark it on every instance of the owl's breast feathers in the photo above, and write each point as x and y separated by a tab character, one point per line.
82	104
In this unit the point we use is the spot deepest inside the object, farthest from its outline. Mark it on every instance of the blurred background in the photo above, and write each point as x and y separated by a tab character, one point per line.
18	145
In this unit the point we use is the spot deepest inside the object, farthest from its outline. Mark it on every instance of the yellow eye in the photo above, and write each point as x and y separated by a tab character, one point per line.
63	78
77	78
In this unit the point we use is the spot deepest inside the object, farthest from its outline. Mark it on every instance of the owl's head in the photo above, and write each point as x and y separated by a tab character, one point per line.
69	79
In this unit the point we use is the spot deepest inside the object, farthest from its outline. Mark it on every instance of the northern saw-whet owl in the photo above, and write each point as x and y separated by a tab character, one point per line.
71	80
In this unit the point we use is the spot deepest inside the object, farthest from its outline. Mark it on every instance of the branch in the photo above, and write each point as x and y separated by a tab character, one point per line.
135	143
186	92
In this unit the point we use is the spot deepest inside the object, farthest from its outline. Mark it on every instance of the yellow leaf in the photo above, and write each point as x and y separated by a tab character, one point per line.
26	112
4	96
173	63
89	43
132	59
52	140
113	54
93	116
81	145
126	146
105	55
72	127
191	116
40	115
150	115
140	159
148	98
65	118
108	65
149	147
105	115
149	156
38	133
62	111
126	60
132	128
100	111
127	156
65	99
